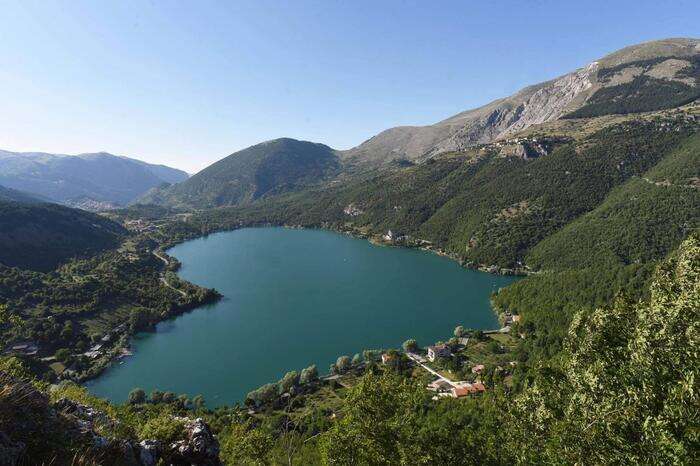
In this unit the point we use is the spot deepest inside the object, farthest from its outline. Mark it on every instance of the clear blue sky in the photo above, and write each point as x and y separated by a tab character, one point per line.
187	82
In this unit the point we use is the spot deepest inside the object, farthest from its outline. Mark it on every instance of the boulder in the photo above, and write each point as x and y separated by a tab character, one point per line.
199	446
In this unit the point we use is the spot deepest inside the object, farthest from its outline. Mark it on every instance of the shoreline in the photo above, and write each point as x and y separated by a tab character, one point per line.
124	349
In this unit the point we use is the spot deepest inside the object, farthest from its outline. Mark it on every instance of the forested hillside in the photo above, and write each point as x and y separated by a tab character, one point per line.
8	194
40	236
265	169
591	209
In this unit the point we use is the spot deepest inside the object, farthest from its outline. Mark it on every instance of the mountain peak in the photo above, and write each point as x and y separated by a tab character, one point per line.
270	167
625	81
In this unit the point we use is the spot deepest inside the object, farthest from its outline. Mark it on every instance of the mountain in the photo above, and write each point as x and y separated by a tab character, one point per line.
589	204
645	77
8	194
91	181
272	167
40	236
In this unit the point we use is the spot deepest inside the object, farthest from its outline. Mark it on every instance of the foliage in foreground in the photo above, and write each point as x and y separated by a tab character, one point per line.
627	393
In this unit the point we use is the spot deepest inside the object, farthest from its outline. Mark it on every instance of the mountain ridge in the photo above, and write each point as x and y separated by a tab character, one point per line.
98	179
534	104
274	166
640	78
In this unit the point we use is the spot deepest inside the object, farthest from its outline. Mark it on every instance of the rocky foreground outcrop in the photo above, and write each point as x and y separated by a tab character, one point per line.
199	447
35	430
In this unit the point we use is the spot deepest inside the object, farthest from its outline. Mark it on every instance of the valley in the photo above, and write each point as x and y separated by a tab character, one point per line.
578	196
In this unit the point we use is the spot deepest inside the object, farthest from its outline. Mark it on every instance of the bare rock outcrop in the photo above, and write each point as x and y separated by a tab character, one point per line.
532	105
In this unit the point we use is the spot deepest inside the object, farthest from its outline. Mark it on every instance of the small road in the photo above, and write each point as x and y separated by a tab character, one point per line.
162	275
415	357
165	261
165	282
667	184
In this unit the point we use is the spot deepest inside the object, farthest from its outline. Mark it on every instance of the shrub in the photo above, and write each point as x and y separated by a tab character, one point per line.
136	396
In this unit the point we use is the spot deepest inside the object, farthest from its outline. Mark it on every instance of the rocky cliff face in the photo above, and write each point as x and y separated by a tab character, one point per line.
535	104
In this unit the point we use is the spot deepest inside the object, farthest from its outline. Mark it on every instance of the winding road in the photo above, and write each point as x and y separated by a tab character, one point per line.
162	275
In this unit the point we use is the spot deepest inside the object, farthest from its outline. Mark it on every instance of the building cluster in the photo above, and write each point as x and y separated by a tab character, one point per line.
394	236
98	349
445	388
140	225
352	210
438	351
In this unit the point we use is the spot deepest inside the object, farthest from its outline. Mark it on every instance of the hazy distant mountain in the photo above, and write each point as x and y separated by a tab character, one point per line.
645	77
91	181
8	194
270	167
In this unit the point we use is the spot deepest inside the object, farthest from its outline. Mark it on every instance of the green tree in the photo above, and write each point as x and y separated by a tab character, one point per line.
244	444
370	355
198	402
169	397
308	375
356	360
164	427
136	396
183	401
342	364
288	382
410	346
376	426
263	395
628	391
67	330
62	354
156	396
459	331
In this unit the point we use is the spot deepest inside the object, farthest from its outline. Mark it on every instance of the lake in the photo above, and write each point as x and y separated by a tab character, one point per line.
294	298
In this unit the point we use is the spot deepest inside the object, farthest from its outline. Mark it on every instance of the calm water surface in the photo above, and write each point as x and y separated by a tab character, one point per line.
294	298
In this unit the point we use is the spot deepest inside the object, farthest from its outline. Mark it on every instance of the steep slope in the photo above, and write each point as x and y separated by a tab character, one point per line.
666	73
268	168
8	194
40	236
494	203
87	180
592	204
640	221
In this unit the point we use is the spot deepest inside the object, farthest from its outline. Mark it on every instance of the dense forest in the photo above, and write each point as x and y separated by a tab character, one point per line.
643	93
40	236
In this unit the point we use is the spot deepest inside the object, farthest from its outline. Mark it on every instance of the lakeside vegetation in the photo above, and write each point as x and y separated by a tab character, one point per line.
600	366
75	320
621	391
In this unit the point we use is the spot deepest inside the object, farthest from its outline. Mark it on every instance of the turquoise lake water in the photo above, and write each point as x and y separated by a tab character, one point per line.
294	298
